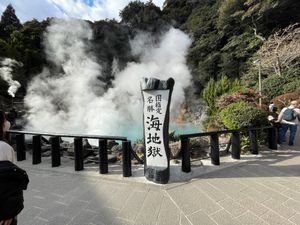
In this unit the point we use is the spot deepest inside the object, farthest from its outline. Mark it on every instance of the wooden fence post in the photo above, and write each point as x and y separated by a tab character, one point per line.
235	145
126	158
185	152
253	142
55	151
36	150
103	159
21	148
214	149
78	153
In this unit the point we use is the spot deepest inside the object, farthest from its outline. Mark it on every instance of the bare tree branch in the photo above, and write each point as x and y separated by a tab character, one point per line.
281	50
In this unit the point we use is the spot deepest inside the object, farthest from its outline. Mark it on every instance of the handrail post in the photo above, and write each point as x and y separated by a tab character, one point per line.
55	151
126	157
214	149
36	149
235	145
253	142
185	152
272	138
103	159
78	153
21	148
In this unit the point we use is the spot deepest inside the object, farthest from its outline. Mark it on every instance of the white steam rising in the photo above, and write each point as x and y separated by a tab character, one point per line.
6	69
74	100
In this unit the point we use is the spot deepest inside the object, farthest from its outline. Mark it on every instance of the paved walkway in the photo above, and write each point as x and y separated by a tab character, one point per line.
261	191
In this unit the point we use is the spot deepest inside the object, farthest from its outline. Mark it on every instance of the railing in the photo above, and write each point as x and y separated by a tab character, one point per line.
127	149
78	149
235	142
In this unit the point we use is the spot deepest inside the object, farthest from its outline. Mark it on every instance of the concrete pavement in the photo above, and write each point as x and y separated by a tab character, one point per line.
265	190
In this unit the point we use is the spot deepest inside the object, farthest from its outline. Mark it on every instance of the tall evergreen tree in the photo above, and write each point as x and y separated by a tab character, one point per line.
9	21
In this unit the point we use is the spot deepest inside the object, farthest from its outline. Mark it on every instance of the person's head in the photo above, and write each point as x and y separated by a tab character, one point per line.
4	125
294	103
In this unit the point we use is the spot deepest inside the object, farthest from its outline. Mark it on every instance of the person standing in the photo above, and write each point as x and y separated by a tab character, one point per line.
271	106
289	118
13	180
6	151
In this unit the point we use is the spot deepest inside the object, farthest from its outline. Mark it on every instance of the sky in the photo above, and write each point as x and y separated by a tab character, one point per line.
84	9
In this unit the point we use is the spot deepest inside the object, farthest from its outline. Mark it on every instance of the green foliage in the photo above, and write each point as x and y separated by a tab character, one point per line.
173	136
230	10
272	13
245	95
241	115
292	86
9	21
245	143
4	48
213	123
219	50
179	11
273	86
215	89
144	16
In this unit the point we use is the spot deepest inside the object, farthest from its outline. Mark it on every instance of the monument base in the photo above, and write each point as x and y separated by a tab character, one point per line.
157	174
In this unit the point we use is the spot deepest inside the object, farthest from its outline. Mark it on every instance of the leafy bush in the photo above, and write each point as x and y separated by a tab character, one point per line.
246	95
272	86
173	136
213	123
215	89
283	100
292	86
241	115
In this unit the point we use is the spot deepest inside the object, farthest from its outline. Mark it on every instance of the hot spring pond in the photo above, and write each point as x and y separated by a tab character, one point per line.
136	132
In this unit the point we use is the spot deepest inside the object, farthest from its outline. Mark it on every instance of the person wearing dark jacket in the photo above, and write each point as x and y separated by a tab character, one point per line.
13	180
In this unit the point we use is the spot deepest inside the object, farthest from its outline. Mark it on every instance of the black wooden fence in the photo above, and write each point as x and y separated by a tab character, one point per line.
127	149
78	149
235	142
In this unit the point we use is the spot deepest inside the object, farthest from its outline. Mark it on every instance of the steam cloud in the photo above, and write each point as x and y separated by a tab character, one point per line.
75	101
6	69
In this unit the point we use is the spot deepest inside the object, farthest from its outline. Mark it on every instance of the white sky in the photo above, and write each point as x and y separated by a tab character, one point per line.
84	9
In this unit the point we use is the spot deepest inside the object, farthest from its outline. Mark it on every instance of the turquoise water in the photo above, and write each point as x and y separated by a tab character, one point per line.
136	132
185	128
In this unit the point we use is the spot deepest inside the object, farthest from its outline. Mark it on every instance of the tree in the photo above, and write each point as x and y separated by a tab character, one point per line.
144	16
179	11
282	50
215	89
230	10
9	21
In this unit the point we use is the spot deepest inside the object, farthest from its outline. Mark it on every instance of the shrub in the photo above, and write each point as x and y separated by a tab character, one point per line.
292	86
283	100
247	95
242	115
173	136
273	86
215	89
